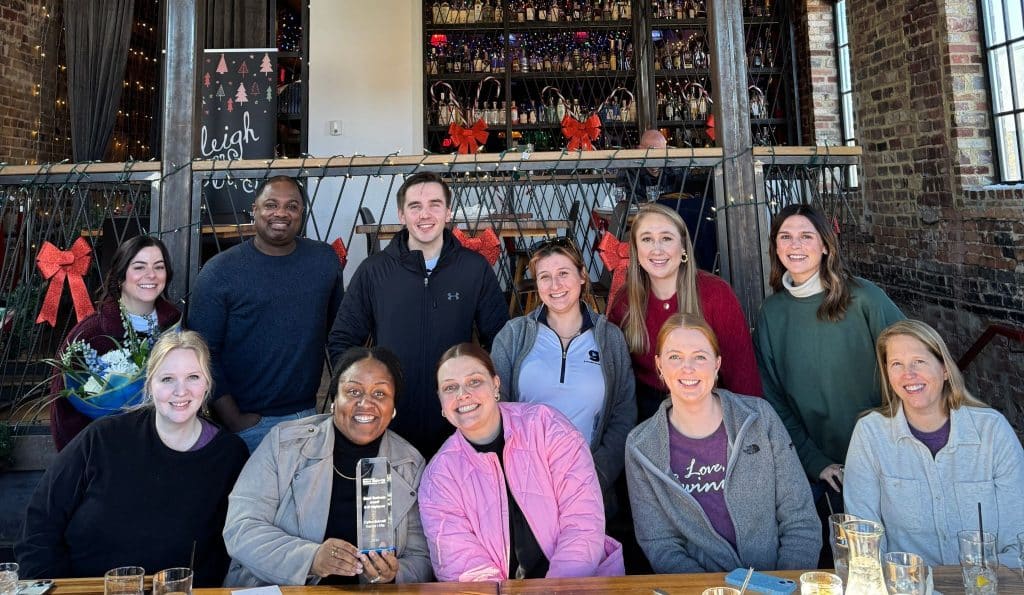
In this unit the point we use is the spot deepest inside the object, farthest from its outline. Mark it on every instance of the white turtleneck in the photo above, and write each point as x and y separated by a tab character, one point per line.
806	289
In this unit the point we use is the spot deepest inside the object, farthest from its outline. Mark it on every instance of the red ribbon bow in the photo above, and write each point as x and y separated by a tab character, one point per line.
341	251
469	140
710	124
615	256
485	243
56	265
581	134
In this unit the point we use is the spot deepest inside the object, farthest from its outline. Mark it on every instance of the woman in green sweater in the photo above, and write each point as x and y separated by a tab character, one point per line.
815	342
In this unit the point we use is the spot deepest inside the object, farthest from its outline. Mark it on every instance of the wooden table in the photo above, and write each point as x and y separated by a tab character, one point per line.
505	228
221	230
948	580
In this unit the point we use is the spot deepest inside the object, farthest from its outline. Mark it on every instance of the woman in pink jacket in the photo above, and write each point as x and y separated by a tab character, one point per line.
512	494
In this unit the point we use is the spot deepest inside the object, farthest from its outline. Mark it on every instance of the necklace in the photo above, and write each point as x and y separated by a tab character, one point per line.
365	473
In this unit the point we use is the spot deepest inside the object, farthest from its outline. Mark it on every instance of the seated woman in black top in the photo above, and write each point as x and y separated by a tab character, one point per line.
140	488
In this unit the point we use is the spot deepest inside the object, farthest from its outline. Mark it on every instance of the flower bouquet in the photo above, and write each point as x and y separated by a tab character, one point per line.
99	385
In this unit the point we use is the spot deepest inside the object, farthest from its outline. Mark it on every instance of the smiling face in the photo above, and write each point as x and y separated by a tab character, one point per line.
659	246
365	403
179	386
424	214
799	247
688	364
144	280
915	375
559	283
277	215
469	398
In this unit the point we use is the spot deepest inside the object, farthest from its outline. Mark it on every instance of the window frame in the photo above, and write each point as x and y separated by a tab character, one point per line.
844	73
992	45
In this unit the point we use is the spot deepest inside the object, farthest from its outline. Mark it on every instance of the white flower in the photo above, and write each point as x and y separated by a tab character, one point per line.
119	362
93	386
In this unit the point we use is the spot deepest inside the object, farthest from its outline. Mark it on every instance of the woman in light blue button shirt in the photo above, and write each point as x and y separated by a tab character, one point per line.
922	462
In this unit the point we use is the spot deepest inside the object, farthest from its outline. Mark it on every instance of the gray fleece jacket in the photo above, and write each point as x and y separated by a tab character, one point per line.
766	493
514	342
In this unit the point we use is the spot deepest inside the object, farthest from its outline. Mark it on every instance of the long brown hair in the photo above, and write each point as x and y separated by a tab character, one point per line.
638	284
954	390
835	278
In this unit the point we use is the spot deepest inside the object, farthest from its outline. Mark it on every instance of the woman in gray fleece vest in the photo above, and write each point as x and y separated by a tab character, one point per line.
713	475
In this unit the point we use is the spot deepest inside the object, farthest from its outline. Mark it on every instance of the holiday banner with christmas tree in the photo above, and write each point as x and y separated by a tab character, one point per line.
238	88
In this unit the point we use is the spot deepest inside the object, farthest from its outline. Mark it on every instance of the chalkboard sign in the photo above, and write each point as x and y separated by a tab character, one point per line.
239	121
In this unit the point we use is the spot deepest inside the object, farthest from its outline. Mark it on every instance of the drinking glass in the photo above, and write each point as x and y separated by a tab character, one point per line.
173	581
720	591
837	540
820	583
905	573
126	580
978	562
8	578
653	193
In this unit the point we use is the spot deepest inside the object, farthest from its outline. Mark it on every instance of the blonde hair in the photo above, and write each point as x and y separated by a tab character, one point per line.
638	284
687	321
169	341
954	390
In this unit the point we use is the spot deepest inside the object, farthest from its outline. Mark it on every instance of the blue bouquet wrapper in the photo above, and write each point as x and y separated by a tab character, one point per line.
122	392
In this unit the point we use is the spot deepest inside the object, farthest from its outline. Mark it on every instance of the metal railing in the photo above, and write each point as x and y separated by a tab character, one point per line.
525	196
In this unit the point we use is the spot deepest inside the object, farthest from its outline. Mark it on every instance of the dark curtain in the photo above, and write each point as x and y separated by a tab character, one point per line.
96	39
238	24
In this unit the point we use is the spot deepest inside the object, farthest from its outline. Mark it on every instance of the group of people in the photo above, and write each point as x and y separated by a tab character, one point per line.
565	420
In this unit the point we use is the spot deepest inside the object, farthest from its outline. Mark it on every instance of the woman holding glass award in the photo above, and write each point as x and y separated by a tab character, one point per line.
132	294
293	515
147	488
513	493
713	475
923	462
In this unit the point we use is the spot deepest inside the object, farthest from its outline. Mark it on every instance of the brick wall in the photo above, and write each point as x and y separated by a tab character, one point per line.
947	247
33	127
819	83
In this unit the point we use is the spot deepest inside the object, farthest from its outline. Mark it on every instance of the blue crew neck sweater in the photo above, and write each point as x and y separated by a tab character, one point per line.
266	320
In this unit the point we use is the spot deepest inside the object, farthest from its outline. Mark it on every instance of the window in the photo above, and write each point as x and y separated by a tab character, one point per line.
846	121
1003	25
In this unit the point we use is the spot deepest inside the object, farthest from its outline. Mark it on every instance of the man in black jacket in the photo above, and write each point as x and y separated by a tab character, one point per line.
419	296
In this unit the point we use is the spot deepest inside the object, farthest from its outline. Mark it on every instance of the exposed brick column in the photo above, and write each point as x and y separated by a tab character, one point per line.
819	79
29	132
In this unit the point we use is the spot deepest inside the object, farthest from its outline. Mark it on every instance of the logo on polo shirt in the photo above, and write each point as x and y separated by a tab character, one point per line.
452	297
595	357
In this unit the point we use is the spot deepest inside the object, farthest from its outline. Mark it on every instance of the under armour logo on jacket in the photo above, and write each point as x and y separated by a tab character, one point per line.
753	448
453	296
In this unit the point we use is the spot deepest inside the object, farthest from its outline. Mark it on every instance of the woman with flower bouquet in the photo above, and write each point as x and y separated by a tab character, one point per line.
102	360
148	487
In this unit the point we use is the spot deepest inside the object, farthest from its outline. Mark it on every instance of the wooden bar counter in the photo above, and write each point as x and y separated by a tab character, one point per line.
948	581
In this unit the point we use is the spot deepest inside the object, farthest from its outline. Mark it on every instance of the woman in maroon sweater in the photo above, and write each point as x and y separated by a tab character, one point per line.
663	279
139	273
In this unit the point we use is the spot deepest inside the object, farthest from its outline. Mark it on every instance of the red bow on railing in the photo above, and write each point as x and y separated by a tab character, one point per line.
710	124
469	140
581	135
56	265
485	243
615	256
341	251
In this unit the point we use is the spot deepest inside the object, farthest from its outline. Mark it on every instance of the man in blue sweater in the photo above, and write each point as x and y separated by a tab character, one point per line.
264	307
419	296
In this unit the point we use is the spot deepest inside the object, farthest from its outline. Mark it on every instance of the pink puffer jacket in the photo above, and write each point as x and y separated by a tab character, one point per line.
464	504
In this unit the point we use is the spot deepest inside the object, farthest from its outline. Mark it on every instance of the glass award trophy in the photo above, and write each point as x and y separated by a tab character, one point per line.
373	505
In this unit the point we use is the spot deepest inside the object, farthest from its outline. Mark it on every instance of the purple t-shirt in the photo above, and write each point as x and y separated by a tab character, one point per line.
933	440
205	435
699	465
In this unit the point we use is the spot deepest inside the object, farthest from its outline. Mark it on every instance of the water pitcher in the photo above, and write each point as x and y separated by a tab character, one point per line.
864	539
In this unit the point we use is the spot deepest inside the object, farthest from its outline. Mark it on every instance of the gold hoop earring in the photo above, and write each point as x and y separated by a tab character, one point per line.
394	413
